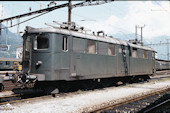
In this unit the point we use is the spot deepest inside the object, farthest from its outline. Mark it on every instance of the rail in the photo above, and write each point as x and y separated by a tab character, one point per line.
111	106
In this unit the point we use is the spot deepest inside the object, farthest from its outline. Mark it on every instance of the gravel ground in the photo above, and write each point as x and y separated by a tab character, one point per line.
6	93
85	101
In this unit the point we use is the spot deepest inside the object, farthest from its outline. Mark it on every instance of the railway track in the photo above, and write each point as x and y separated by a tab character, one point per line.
6	99
17	98
70	94
9	72
133	105
22	95
9	86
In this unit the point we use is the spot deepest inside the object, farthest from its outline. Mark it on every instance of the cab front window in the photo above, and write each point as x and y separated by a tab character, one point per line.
41	42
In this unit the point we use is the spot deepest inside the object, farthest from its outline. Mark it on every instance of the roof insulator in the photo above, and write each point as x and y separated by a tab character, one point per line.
99	32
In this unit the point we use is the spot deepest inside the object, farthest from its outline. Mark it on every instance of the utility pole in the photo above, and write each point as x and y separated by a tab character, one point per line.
0	30
136	38
1	18
2	12
69	12
168	51
141	34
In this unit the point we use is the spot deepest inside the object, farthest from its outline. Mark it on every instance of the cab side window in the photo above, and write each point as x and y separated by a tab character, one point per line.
140	53
111	49
41	42
65	43
78	45
102	48
91	47
134	52
145	54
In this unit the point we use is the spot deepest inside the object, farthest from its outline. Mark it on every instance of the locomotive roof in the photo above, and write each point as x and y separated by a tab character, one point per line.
85	35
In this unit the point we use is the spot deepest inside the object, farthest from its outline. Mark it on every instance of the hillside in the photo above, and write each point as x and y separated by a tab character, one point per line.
13	39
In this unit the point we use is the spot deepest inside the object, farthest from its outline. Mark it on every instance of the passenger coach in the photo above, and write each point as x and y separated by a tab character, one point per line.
9	63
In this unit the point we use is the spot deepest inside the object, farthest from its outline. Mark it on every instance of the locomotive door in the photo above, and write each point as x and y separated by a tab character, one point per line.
77	64
27	48
123	60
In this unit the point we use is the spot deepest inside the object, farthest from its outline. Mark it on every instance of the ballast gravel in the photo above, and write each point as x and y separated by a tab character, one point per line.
86	101
6	93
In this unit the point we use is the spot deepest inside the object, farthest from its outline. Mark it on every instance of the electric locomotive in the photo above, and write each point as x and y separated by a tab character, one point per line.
59	56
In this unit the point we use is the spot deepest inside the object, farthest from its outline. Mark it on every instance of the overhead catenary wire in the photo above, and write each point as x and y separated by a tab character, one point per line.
35	12
51	9
25	21
73	13
17	17
117	8
18	25
6	34
162	7
46	10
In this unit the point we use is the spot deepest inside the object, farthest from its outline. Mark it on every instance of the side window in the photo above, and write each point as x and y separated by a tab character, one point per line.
153	55
145	54
140	53
149	54
28	44
1	62
120	50
102	48
65	43
111	49
41	42
78	45
7	62
91	46
134	52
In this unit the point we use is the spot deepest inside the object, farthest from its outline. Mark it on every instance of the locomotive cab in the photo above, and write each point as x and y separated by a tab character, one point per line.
45	55
36	49
36	55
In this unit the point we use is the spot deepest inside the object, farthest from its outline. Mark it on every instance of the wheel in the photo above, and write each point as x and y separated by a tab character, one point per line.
88	85
64	88
106	83
1	87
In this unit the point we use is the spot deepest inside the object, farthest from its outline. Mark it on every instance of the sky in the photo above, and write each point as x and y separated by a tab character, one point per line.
112	18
